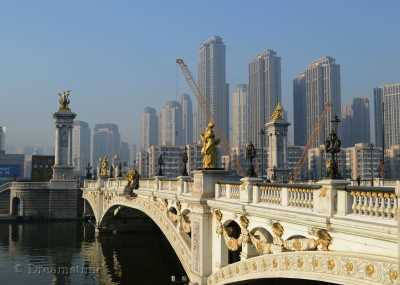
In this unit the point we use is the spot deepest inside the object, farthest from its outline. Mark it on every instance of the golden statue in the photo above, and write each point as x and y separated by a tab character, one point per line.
104	168
133	179
64	101
278	113
209	149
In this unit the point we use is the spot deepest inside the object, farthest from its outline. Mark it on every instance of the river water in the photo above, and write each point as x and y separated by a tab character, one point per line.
70	253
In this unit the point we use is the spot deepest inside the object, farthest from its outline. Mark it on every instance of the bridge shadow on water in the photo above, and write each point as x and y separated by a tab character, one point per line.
140	258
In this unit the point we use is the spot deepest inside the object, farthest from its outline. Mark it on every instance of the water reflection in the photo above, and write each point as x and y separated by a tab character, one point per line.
69	253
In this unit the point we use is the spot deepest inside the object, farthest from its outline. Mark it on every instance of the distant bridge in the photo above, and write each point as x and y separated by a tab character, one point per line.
227	231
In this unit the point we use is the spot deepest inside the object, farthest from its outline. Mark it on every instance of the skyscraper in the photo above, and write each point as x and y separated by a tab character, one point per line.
387	105
346	125
361	129
378	116
106	141
80	146
2	140
149	128
264	91
171	133
299	110
240	116
211	81
187	119
124	154
133	152
322	87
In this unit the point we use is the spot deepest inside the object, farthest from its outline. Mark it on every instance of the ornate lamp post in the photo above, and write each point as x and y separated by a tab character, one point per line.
250	155
88	171
332	146
184	162
160	164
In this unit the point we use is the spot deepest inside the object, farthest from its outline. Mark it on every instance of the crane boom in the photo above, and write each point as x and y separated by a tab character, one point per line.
193	86
297	169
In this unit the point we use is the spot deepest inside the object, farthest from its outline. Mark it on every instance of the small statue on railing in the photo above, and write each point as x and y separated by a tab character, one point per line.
133	181
104	168
184	162
209	149
251	154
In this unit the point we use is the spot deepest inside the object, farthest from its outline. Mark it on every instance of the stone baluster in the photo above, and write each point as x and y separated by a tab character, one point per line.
354	205
376	204
256	194
370	204
382	206
285	192
388	202
395	205
228	191
217	191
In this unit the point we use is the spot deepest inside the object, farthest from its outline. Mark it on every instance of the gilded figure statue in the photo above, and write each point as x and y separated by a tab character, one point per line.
209	149
278	112
104	168
64	101
133	179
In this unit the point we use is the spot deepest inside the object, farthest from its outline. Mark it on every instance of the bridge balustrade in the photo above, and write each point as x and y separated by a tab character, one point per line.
377	202
228	190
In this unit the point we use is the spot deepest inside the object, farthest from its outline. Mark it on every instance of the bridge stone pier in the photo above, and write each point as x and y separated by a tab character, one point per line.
225	230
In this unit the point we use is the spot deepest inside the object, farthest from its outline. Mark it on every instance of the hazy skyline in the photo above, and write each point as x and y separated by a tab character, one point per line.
118	56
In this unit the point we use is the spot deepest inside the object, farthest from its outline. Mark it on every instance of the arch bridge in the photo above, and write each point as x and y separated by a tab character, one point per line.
226	231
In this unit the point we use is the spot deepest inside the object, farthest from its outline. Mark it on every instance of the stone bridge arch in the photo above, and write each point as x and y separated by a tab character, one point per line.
157	211
332	267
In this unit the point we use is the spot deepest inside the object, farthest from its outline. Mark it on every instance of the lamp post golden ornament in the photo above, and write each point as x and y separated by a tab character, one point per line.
209	149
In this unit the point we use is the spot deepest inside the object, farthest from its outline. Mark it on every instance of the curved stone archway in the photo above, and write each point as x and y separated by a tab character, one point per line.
332	267
157	212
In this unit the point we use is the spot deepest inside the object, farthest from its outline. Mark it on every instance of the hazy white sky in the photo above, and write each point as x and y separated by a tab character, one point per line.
119	56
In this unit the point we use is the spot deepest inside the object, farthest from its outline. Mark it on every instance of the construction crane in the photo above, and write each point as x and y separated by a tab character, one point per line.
202	102
321	118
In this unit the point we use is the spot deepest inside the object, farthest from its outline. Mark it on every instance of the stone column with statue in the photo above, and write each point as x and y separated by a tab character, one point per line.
205	180
64	119
276	134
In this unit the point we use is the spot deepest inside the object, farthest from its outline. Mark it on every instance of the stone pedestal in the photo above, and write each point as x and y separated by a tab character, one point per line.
325	199
205	180
201	245
63	165
182	188
246	188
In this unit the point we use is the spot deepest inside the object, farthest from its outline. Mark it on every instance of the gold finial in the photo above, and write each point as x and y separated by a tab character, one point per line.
209	149
278	113
64	101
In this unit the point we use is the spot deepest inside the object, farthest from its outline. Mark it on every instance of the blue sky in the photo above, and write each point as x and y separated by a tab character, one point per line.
119	56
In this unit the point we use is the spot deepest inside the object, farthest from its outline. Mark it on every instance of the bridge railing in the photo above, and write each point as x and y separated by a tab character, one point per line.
227	190
373	202
380	203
